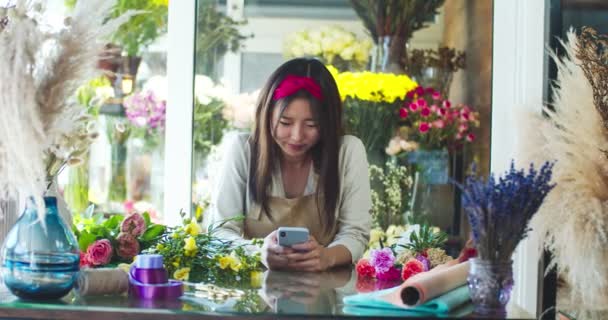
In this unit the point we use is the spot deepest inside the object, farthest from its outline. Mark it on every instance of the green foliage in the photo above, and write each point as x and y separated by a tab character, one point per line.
142	28
216	34
391	189
372	122
196	256
209	125
426	238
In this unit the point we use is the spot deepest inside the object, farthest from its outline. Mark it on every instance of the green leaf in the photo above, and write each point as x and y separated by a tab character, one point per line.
113	222
152	232
85	240
146	216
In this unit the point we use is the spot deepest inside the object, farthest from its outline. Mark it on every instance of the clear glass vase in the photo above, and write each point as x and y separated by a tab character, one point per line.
490	285
40	262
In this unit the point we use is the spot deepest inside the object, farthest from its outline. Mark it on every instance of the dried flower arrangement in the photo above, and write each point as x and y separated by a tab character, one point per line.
41	70
573	220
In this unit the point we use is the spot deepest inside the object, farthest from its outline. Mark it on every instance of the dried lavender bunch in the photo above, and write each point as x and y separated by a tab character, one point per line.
592	50
499	209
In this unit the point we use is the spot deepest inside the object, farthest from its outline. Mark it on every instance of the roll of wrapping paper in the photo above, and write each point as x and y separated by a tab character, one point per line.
148	279
102	281
428	285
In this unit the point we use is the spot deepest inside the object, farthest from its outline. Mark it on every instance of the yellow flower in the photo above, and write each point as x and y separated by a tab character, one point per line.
190	246
375	236
371	86
192	228
256	278
182	274
176	262
235	263
225	261
160	247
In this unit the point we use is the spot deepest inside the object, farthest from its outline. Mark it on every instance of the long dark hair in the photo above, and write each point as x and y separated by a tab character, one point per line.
265	153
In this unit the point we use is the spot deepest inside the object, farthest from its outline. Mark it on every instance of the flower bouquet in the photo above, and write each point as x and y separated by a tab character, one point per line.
146	114
371	105
499	210
333	45
432	122
196	256
416	250
117	239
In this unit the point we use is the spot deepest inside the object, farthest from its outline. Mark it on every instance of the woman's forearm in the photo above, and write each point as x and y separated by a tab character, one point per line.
336	256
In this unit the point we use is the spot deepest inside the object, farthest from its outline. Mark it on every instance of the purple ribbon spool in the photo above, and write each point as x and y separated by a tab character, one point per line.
148	279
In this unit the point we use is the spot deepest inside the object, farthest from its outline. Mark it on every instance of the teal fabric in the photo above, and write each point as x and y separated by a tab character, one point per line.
371	303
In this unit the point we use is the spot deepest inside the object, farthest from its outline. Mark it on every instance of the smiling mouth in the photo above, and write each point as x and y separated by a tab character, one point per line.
296	146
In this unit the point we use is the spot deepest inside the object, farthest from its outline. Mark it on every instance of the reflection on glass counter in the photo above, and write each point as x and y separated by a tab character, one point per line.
281	294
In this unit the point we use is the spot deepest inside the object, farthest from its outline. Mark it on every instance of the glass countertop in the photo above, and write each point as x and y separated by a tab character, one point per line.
283	294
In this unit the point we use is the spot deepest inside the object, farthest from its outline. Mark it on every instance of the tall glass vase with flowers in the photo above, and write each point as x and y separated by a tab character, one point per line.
431	135
499	210
371	104
39	116
146	114
391	24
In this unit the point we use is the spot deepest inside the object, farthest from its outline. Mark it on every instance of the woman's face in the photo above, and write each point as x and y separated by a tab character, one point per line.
297	131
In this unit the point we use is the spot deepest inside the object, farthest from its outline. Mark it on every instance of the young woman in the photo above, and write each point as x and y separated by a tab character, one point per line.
298	170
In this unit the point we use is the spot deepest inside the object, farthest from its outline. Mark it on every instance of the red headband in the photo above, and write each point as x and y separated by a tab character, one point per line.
292	84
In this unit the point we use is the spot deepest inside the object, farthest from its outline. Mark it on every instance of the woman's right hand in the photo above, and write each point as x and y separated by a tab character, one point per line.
274	256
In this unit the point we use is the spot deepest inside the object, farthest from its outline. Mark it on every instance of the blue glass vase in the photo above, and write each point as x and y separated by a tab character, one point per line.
40	263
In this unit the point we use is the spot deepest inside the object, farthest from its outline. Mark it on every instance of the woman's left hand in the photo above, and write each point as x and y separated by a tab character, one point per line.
309	256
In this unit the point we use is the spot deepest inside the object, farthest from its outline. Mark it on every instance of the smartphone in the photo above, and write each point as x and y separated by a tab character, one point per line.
288	236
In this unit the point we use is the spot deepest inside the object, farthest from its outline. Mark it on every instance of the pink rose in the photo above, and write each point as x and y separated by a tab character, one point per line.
424	127
128	246
84	261
133	224
99	253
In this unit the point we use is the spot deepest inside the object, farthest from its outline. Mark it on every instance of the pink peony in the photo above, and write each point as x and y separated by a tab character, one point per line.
128	246
436	95
413	106
99	253
421	103
470	137
133	224
382	259
447	104
392	274
403	113
365	269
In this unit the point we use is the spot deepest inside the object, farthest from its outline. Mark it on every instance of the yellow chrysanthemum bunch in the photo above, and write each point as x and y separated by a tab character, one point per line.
371	86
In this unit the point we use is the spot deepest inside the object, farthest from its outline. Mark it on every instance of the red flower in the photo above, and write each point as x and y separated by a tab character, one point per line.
413	106
466	254
470	137
425	112
364	269
447	104
365	284
411	267
84	261
424	127
391	275
403	113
